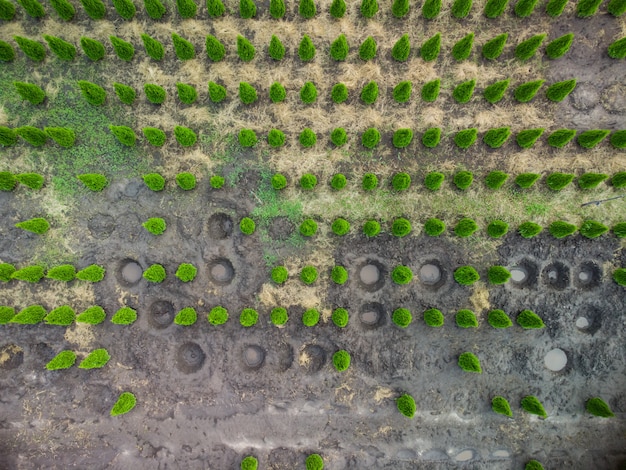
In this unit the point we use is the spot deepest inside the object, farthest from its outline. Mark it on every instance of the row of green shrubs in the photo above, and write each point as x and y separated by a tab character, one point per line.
65	316
96	359
465	318
64	273
186	181
37	137
9	181
531	404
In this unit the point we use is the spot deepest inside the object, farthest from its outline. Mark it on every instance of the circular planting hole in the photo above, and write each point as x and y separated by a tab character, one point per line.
281	228
372	275
161	314
524	274
101	226
190	358
11	357
221	271
431	274
588	275
555	360
129	272
556	275
372	315
589	320
518	274
582	323
132	188
220	226
253	356
312	358
464	456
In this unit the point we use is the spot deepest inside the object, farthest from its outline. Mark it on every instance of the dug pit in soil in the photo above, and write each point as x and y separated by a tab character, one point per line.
253	356
190	358
129	272
589	319
555	360
161	314
372	275
312	358
101	226
221	271
220	226
432	274
372	315
556	275
588	275
524	274
464	456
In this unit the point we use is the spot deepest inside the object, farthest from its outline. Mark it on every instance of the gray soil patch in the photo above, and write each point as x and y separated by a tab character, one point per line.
189	226
129	272
371	275
372	315
101	226
588	275
281	228
464	456
220	226
190	358
253	356
11	357
556	275
161	314
312	358
221	271
555	360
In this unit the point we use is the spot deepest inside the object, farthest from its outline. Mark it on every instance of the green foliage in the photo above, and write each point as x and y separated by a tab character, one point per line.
93	181
247	9
339	93
308	228
431	9
247	93
339	136
248	317
495	138
186	181
155	225
124	134
93	49
402	275
92	315
466	319
430	48
155	93
466	138
368	49
33	8
493	48
62	136
406	405
6	314
310	317
96	359
561	137
276	138
497	229
402	138
6	270
434	227
591	180
93	94
463	92
184	49
598	407
245	49
369	8
7	10
430	90
527	138
495	92
276	49
32	135
561	229
340	317
466	275
215	8
218	315
524	8
619	179
526	49
154	48
306	49
185	136
338	181
307	9
249	463
618	139
587	8
92	273
463	48
64	272
495	8
308	181
63	360
431	137
434	180
593	229
155	273
247	226
279	181
463	179
401	181
279	316
527	91
528	319
465	228
461	8
314	462
217	181
619	276
307	138
370	138
186	8
338	9
308	275
32	49
277	92
214	48
95	9
339	48
157	138
8	137
124	404
402	91
401	49
589	139
186	317
619	230
559	46
371	228
533	406
495	179
433	318
30	315
498	275
247	138
123	49
341	360
501	406
217	93
308	93
36	225
401	227
533	465
32	274
616	7
529	229
470	363
555	7
7	181
279	274
30	92
7	53
277	9
402	317
125	8
63	316
339	275
154	8
499	319
557	181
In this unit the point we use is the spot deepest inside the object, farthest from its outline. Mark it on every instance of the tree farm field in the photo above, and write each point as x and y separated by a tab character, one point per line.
312	234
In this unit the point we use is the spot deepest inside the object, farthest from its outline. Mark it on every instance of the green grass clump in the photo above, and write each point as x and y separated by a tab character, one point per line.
36	225
215	50
461	8
591	180
495	179
92	273
406	405
618	139
465	228
495	138
32	49
247	138
250	463
529	229
279	316
277	93
187	94
495	92
338	181
155	9
528	319
64	272
8	181
62	136
186	181
30	92
277	9
589	139
95	9
430	90
123	49
561	229
493	48
527	91
368	49
598	407
463	92
279	181
276	138
155	273
154	181
32	135
466	319
184	49
338	9
308	275
402	91
247	9
524	8
307	138
401	227
93	49
33	8
308	228
276	49
308	181
8	137
434	180
30	315
619	230
248	317
533	465
247	226
7	10
619	179
401	49
463	179
533	406
156	94
369	181
526	49
616	7
6	314
124	134
498	275
401	275
279	274
466	275
63	360
306	49
186	8
402	138
310	317
433	318
30	180
124	316
155	225
339	48
245	50
619	276
124	404
557	181
92	316
401	181
498	319
186	317
501	406
369	8
526	180
32	274
126	94
463	48
370	138
587	8
402	317
63	316
339	93
307	9
6	270
466	138
125	8
217	93
340	317
558	91
431	9
369	93
218	315
434	227
96	359
470	363
339	275
431	137
186	272
593	229
554	8
308	93
341	360
431	47
497	229
527	138
495	8
314	462
371	228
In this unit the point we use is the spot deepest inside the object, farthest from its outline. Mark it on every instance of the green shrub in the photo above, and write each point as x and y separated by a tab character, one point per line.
370	138
465	228
430	48
619	276
493	48
92	273
498	275
402	317
217	93
524	8
7	10
32	274
371	228
619	179
277	9
463	48
341	360
30	92
338	9
249	463
186	317
155	93
529	229
499	319
339	93
434	180
33	8
495	92
598	407
217	181
401	49
308	275
434	227
310	317
589	139
430	90
37	225
7	181
96	359
30	315
153	47
339	275
528	319
63	360
308	228
461	8
124	404
470	363
561	229
431	9
186	181
185	136
277	93
338	181
369	93
308	181
218	316
368	49
402	275
124	134
618	139
6	314
495	8
307	138
369	181
279	181
186	93
495	138
95	9
276	49
314	462
154	8
215	50
93	181
339	48
619	230
406	405
245	49
307	9
561	137
216	8
308	93
559	46
526	49
400	227
64	272
497	229
501	406
527	138
402	138
340	317
466	138
247	138
555	7
125	8
248	317
527	91
466	319
591	180
155	273
533	406
402	91
592	229
32	49
186	8
587	8
495	179
32	135
557	181
155	225
62	316
463	92
92	315
463	179
8	137
6	270
123	49
62	136
279	316
433	318
247	9
616	7
93	94
466	275
431	137
157	138
247	226
306	49
279	274
401	181
247	93
127	96
369	8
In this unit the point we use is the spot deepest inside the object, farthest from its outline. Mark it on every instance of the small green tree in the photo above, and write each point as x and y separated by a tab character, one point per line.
558	91
308	93
402	138
431	47
463	48
93	181
7	10
430	90
93	94
463	91
32	135
186	93
123	49
95	9
493	48
62	49
501	406
124	404
369	93
431	137
277	93
30	180
528	319
589	139
526	49
186	8
431	9
338	9
154	48
7	53
617	49
369	8
125	8
495	179
527	91
215	8
93	49
616	7
247	93
406	405
32	49
401	49
525	8
247	9
470	363
125	93
217	93
247	138
495	8
368	49
495	92
370	138
559	46
618	139
214	48
276	49
533	406
339	48
184	49
61	135
554	8
33	8
185	136
32	274
156	94
587	8
598	407
307	9
495	138
306	50
37	225
466	138
154	8
461	8
400	8
277	9
561	137
124	134
527	138
30	92
8	181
